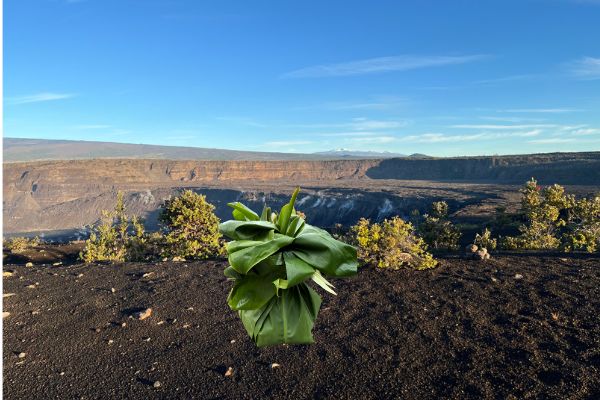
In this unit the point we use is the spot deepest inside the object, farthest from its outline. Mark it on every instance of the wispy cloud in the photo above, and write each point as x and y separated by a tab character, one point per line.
89	127
551	141
586	68
502	127
38	97
541	110
283	143
379	65
375	139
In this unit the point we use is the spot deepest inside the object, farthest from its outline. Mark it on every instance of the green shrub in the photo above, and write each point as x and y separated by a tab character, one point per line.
391	244
437	231
271	257
19	244
583	228
546	211
117	237
485	240
191	227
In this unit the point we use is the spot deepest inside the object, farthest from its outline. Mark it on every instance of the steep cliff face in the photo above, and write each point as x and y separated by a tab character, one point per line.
565	168
55	195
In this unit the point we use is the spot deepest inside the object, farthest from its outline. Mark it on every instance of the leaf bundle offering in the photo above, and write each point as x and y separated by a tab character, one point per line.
271	258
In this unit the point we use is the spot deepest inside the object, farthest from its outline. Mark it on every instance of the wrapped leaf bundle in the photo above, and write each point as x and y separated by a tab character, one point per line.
271	258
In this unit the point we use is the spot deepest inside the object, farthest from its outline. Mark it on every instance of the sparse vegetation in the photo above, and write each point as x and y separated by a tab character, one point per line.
583	228
437	231
191	228
485	240
117	237
19	244
271	257
391	244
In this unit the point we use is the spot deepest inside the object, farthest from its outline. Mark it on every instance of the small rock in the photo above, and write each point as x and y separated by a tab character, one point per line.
123	324
157	384
480	254
185	326
229	372
35	312
30	286
110	341
487	256
518	276
21	355
7	295
29	264
471	248
165	259
112	290
97	330
8	273
494	279
56	264
146	339
232	341
160	322
190	309
62	373
5	314
147	274
143	314
275	365
178	259
80	275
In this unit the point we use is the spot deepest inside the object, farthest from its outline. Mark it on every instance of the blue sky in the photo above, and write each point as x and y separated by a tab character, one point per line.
436	77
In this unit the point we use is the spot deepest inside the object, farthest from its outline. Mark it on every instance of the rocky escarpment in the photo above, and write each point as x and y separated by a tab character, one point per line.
564	168
57	195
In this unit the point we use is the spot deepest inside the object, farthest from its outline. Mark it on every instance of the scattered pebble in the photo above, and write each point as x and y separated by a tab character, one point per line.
123	324
177	258
110	341
232	341
112	290
190	309
160	322
5	314
146	339
79	275
35	312
56	264
30	286
7	273
29	264
275	365
185	326
143	314
518	276
229	372
97	330
494	279
147	274
21	355
157	384
7	294
62	373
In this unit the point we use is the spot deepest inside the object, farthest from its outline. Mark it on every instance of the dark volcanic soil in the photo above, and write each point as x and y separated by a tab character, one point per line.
465	330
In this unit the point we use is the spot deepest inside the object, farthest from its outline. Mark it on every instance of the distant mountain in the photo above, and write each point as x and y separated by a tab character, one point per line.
16	149
346	153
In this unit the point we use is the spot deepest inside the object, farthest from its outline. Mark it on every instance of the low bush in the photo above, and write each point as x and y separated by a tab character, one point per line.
391	244
117	237
437	231
19	244
190	226
485	240
583	228
546	211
